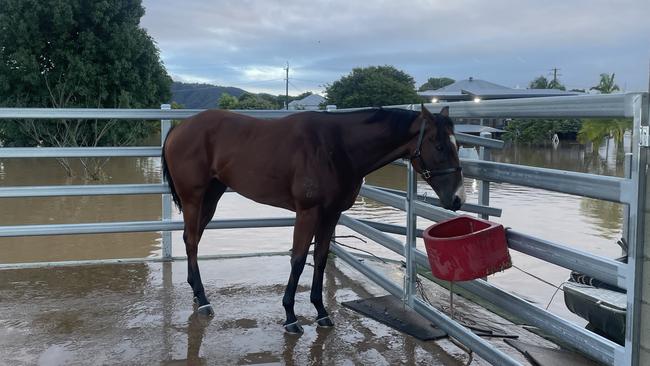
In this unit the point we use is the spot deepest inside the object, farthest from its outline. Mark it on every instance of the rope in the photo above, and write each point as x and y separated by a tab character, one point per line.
557	288
355	248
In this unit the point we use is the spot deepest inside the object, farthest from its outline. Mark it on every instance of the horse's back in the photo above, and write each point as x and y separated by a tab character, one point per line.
277	162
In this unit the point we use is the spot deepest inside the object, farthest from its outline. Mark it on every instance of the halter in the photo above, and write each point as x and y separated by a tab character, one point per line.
427	173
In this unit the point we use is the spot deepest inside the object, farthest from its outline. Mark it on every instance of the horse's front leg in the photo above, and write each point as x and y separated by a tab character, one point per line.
324	234
303	232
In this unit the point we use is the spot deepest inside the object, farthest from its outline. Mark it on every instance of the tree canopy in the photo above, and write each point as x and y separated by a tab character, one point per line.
542	82
77	53
606	84
256	101
539	131
372	86
596	130
436	83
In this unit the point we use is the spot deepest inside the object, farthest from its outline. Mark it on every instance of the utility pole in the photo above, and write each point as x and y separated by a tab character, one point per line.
286	100
555	75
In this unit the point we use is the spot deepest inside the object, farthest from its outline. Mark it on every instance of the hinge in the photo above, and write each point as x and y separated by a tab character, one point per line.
644	136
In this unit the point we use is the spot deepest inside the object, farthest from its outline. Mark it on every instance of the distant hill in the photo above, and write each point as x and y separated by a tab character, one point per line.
200	96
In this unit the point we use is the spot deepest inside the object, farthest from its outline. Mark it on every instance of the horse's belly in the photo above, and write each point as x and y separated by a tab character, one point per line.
265	194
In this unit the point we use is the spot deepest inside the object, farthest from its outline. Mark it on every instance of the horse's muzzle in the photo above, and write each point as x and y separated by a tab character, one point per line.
455	205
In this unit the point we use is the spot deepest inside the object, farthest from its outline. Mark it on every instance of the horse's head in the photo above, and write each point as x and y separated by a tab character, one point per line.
435	156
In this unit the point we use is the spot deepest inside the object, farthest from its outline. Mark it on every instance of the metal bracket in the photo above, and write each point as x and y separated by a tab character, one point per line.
644	136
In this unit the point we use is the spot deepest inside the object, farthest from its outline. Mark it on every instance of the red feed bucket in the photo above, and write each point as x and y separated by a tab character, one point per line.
465	248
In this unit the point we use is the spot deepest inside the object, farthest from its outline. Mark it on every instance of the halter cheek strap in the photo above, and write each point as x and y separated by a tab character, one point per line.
417	154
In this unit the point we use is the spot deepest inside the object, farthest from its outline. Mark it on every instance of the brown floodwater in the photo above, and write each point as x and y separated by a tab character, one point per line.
578	222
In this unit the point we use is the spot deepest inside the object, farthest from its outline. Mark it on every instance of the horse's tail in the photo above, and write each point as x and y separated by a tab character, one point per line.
168	177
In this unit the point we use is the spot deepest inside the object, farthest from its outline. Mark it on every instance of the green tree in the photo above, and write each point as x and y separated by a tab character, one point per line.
542	82
539	83
606	84
555	84
256	101
436	83
77	53
596	130
227	101
372	86
539	131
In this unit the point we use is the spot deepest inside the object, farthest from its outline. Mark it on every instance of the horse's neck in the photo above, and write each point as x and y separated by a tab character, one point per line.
374	146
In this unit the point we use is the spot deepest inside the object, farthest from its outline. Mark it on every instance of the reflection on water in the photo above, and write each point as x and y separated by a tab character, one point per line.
582	223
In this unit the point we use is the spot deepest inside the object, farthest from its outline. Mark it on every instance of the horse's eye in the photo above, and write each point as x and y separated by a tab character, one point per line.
439	147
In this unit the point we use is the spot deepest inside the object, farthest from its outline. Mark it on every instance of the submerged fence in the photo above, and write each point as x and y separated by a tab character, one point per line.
628	191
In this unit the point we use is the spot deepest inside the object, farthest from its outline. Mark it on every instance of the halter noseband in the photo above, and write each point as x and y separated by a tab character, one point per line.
427	173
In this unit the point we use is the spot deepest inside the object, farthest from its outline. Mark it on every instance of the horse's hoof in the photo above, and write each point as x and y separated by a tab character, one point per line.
205	310
293	328
325	322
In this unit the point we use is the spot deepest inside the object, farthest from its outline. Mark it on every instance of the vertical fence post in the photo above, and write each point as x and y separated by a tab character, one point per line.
411	226
627	173
484	186
637	340
165	126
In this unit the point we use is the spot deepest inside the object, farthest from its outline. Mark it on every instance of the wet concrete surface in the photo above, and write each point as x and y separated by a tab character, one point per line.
141	314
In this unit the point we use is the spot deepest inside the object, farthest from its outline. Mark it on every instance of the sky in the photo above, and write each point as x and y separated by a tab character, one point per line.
247	43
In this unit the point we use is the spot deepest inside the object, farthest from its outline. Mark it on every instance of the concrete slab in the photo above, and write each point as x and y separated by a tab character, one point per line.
141	314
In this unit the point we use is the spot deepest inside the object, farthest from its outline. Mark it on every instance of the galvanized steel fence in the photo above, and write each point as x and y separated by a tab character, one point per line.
628	191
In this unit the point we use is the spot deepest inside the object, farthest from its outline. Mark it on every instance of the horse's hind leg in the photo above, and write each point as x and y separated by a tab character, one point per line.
196	215
324	234
303	232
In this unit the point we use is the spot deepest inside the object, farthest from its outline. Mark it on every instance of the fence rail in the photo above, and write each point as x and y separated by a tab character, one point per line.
581	184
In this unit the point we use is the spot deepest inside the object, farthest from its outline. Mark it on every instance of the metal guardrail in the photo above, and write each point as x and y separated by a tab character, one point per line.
82	190
77	152
467	206
581	184
608	188
597	106
135	226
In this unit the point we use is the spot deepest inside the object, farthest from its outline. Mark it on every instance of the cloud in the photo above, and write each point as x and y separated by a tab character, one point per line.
240	42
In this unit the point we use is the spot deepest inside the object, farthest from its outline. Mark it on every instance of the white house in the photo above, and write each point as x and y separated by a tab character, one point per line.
309	103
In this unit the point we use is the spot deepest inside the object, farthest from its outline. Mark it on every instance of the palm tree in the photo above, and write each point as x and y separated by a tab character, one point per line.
595	130
606	84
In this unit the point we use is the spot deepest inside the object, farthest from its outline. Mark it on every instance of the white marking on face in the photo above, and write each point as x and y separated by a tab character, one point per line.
452	138
460	192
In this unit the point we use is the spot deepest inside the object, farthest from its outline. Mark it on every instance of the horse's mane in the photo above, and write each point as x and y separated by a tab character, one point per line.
398	119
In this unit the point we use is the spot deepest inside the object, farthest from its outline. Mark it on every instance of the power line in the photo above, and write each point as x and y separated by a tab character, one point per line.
295	88
286	101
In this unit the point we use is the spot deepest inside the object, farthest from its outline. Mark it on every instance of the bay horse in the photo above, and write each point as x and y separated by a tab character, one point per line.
312	163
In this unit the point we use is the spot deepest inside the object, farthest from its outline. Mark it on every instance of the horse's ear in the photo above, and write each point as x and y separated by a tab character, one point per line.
445	111
425	111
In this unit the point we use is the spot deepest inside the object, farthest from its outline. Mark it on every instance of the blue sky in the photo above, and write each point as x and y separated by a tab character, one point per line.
246	43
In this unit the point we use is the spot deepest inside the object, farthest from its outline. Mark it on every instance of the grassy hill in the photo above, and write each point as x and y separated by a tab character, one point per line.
201	96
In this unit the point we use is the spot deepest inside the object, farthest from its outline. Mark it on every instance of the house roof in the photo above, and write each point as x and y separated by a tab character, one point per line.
466	128
472	88
313	99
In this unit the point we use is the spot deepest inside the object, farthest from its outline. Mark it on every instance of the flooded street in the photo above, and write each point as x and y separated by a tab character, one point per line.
583	223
